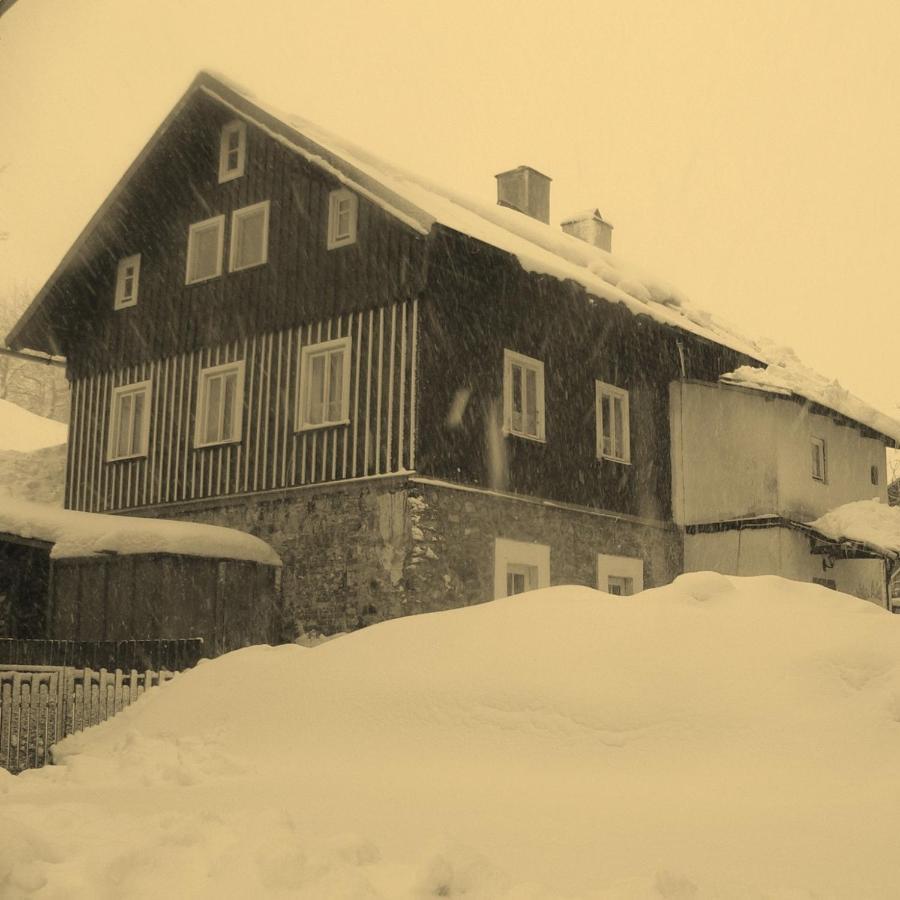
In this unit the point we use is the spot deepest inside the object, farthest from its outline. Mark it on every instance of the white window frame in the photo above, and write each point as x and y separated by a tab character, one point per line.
603	389
307	353
206	224
240	128
819	444
336	240
519	553
236	218
511	358
629	567
122	390
237	412
121	301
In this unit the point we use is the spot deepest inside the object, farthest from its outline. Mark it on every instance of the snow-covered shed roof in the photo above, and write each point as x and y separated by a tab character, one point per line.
421	203
873	524
79	534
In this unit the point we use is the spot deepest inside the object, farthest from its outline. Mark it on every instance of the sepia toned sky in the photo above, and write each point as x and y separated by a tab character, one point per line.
748	153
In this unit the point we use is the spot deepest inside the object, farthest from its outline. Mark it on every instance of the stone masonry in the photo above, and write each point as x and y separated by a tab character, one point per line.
362	552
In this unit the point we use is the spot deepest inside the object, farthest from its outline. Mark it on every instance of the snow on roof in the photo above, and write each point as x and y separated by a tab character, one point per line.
539	247
788	376
79	534
868	522
24	431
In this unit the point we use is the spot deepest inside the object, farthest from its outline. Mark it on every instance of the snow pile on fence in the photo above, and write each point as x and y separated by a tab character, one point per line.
78	534
868	522
716	738
24	431
789	376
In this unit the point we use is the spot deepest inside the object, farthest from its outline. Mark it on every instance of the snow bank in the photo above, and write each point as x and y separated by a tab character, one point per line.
868	522
38	475
789	376
23	430
75	534
717	738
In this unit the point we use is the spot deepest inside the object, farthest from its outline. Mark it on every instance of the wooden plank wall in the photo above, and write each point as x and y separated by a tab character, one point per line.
380	438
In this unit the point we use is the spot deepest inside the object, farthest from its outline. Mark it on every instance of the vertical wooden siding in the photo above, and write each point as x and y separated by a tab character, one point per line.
380	438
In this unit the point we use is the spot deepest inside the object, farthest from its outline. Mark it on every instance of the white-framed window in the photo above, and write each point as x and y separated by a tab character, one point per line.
323	396
204	252
342	215
249	236
613	429
129	421
232	150
520	566
818	458
620	575
220	405
523	396
128	275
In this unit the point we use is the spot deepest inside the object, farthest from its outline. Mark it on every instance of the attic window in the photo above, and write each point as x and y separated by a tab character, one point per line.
249	236
127	276
342	215
204	253
232	151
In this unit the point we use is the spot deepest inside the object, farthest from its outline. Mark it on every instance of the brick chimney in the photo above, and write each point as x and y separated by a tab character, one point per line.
590	226
526	190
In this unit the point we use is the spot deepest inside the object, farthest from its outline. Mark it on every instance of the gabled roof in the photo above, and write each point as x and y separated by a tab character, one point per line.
421	204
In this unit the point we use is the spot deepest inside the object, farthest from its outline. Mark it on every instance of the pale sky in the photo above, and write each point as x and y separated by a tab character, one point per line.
747	153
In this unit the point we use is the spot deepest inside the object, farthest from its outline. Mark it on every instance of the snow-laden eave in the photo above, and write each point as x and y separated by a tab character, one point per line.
867	523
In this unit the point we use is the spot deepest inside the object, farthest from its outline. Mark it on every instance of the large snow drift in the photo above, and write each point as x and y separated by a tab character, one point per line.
717	738
76	534
24	431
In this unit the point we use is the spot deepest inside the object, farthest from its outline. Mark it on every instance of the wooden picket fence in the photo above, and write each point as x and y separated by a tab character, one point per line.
40	705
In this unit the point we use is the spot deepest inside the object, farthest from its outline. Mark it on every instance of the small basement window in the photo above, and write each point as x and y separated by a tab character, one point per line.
523	396
342	215
127	277
220	405
204	252
613	429
249	236
232	151
874	475
129	421
324	392
819	462
620	575
520	566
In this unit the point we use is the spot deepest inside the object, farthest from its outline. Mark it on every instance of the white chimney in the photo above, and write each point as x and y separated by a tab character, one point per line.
590	226
526	190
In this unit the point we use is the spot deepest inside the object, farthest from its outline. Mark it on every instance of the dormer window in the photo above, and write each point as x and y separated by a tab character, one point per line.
342	214
232	151
127	276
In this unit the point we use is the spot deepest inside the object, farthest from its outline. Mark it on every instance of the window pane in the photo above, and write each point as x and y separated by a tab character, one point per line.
228	412
619	429
531	402
343	219
249	240
606	424
335	385
517	398
129	283
205	253
316	396
234	140
138	422
123	426
213	405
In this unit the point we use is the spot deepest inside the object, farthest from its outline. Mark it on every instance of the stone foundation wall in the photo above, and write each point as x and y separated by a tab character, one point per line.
358	553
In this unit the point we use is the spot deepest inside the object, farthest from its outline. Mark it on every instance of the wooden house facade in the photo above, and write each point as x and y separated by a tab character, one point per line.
263	332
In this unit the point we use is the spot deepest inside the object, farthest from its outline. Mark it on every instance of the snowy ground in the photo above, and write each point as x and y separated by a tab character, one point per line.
717	738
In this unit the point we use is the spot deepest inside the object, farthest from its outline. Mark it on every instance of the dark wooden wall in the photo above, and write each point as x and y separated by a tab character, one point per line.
302	281
24	579
480	301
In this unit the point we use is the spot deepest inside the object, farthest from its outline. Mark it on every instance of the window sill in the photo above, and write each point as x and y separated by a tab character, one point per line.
528	437
133	456
255	265
615	459
341	423
203	280
127	305
225	443
336	245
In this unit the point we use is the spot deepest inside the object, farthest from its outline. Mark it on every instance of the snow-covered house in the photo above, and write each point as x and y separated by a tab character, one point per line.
417	399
